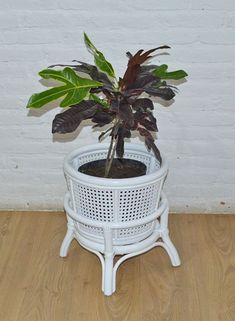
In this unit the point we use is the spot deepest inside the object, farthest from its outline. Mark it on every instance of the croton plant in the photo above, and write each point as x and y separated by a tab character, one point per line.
118	104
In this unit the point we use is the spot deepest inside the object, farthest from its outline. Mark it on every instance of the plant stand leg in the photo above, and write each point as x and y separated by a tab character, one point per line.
108	262
168	245
68	238
108	274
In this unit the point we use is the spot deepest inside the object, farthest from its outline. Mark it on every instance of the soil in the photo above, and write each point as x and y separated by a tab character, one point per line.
121	168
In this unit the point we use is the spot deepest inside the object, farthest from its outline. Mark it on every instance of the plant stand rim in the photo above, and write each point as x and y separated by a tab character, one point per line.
112	182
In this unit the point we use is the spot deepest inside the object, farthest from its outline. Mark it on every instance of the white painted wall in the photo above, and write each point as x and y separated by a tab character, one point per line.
196	133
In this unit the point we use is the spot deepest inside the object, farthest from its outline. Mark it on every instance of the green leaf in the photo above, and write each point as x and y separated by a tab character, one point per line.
89	44
162	73
99	58
97	99
74	90
103	64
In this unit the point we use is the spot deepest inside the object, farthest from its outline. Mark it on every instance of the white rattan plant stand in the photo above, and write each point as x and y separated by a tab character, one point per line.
116	216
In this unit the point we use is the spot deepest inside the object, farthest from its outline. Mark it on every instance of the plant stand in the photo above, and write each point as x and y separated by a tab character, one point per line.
112	217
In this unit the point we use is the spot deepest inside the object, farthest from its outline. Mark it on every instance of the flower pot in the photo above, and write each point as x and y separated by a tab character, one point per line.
115	200
116	216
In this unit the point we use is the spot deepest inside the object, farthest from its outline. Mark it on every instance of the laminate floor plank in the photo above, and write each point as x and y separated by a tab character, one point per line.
37	285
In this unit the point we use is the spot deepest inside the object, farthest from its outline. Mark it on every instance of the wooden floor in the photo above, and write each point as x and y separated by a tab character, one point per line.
37	285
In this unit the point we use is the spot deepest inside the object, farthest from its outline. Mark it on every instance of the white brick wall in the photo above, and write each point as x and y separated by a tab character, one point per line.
196	133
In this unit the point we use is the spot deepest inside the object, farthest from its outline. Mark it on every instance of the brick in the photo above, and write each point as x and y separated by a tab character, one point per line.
230	21
207	190
206	88
205	175
205	72
156	6
225	5
3	162
221	36
18	175
183	104
198	53
195	20
9	102
22	162
52	19
21	53
9	20
13	5
95	5
31	36
123	6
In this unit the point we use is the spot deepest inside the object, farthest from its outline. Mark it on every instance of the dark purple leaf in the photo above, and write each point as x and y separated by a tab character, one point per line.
102	118
164	93
141	56
142	81
151	146
110	94
149	125
146	119
149	141
96	90
152	119
94	73
69	120
145	69
133	68
120	147
129	55
132	94
115	103
91	70
143	104
122	134
126	115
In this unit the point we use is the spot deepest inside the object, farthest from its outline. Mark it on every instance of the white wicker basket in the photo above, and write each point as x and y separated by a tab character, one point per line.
116	216
115	200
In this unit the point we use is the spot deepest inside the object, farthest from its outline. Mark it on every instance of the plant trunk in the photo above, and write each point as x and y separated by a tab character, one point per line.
110	156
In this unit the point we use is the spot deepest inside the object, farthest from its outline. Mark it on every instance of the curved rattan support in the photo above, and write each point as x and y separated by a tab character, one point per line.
106	250
68	238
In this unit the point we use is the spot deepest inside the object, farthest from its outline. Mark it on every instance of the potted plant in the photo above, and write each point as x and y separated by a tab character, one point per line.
110	183
105	100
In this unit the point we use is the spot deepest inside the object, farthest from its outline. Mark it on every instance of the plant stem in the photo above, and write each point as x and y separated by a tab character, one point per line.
110	157
112	147
105	132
